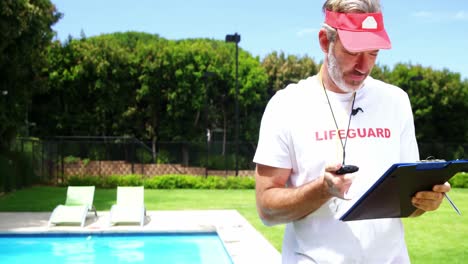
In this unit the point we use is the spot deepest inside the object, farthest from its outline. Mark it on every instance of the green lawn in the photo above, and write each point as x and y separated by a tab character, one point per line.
437	237
441	236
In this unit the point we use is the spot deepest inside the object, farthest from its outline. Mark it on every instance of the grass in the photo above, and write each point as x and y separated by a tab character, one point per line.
441	236
436	237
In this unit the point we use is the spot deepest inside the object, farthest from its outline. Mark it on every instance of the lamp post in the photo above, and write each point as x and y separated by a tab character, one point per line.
236	38
207	75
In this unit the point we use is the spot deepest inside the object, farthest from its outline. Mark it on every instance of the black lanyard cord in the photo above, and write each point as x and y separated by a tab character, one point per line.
336	124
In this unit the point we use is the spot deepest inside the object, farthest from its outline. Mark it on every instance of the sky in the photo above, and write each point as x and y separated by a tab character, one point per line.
431	33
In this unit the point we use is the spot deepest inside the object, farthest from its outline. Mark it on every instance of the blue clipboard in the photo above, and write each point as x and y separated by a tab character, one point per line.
390	196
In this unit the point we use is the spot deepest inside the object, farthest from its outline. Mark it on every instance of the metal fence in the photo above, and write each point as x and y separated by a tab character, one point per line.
51	159
443	150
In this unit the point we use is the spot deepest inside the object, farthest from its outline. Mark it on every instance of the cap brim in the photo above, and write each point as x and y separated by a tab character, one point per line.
357	41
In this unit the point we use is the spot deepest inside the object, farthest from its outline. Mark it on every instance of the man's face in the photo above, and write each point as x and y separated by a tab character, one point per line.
348	70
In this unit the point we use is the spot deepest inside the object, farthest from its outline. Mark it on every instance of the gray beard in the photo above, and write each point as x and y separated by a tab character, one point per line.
335	73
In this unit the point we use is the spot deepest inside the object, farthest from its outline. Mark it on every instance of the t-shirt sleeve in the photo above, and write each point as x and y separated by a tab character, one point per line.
273	147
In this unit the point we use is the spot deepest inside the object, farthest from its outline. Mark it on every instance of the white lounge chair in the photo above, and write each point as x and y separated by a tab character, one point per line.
130	206
78	203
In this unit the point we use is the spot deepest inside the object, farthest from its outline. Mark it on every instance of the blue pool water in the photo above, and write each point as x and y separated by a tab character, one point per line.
113	248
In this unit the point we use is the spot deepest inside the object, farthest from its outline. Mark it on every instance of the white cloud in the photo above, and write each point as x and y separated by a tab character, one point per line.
441	16
461	15
307	32
422	14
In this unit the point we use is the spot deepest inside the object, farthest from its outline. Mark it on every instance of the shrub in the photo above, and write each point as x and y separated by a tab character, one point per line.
460	180
71	159
215	182
240	182
6	173
172	181
84	181
16	170
122	180
161	182
176	181
188	182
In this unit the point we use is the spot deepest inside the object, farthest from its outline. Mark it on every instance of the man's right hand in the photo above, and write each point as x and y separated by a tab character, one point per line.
337	185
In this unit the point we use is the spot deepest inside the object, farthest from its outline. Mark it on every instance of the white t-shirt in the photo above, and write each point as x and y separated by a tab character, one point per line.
298	132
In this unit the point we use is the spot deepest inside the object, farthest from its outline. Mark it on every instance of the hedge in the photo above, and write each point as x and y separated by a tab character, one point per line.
460	180
172	181
175	181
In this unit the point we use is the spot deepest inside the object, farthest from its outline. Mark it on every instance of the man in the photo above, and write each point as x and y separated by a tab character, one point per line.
339	116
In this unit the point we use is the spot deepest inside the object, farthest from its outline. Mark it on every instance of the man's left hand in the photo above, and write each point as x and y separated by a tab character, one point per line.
429	200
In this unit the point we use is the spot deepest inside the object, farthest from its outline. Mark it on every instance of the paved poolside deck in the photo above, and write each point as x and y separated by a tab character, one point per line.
243	242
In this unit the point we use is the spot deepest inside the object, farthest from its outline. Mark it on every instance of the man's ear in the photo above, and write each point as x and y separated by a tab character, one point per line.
323	40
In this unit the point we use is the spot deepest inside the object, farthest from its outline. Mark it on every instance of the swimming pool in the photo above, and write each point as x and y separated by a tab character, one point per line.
167	248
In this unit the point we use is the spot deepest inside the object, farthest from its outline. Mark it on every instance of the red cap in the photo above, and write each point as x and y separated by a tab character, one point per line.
359	31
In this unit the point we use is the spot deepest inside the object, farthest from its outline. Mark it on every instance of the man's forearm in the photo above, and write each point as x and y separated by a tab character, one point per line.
283	205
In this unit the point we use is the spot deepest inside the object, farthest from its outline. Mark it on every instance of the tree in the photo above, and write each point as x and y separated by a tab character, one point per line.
381	73
439	100
25	33
141	85
282	69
